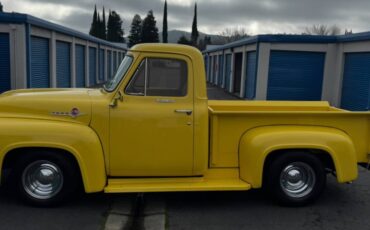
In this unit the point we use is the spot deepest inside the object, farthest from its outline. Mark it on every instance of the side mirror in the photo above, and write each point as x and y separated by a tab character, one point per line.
117	97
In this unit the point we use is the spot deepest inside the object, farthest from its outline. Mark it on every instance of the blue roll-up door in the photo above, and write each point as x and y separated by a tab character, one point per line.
209	75
92	66
40	67
215	68
109	64
220	70
80	66
227	72
356	82
63	69
101	64
251	74
295	75
4	62
114	61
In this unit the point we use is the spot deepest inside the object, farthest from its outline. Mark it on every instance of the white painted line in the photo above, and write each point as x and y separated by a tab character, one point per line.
154	213
155	222
116	222
119	216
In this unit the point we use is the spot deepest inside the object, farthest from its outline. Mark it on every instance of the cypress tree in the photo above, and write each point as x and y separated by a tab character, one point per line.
165	26
98	27
114	31
1	7
94	24
103	27
110	27
194	30
149	30
135	31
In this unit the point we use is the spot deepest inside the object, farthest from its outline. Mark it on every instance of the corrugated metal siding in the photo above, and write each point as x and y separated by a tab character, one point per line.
4	62
92	66
101	64
251	74
40	68
295	75
356	82
63	61
109	64
227	72
80	66
220	70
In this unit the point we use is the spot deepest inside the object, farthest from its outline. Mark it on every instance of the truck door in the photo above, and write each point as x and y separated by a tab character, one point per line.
151	129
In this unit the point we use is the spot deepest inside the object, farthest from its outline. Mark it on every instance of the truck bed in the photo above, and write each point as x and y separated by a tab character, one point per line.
229	120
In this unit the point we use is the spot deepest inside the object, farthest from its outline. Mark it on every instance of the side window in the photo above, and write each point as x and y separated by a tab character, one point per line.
136	85
160	77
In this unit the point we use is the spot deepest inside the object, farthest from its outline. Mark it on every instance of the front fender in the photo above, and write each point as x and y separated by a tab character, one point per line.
78	139
258	143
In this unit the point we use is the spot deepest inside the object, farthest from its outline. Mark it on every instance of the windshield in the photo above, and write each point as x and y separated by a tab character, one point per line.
120	74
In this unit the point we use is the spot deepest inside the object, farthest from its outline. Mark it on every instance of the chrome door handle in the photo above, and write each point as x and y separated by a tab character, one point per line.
187	111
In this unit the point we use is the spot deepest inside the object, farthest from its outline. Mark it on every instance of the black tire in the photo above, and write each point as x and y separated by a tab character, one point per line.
295	178
55	175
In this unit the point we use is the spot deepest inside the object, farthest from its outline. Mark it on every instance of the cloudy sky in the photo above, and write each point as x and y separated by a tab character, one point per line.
256	16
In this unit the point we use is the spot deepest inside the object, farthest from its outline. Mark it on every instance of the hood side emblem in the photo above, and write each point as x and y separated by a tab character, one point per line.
74	113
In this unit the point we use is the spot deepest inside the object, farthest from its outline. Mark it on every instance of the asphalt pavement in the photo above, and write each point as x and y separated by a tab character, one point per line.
341	207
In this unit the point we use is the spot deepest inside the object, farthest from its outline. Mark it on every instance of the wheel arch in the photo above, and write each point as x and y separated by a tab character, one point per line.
262	145
12	153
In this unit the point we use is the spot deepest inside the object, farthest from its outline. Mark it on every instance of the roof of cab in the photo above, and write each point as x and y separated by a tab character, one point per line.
167	48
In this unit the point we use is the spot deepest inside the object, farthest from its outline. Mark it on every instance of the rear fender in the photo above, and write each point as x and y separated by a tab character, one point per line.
258	143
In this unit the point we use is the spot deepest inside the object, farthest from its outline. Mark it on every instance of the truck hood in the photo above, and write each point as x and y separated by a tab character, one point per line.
72	105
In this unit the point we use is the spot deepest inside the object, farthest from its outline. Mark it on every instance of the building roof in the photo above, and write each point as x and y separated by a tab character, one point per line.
271	38
18	18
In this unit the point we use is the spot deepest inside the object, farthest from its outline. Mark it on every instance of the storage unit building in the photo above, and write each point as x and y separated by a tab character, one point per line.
35	53
296	67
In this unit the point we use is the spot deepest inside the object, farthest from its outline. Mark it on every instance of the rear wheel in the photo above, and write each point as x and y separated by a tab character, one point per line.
45	179
295	178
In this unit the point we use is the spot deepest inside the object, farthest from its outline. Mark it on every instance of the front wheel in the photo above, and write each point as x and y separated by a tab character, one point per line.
45	179
295	179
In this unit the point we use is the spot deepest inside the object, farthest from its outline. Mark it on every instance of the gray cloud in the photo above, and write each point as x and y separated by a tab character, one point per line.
263	16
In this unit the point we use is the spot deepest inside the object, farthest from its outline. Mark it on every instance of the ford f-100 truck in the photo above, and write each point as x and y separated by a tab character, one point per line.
152	129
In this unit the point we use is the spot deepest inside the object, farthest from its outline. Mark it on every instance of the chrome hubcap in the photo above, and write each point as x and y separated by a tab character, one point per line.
42	179
297	179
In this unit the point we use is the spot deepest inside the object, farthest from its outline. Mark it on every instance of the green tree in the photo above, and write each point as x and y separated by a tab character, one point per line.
165	25
204	42
94	24
194	30
98	29
149	31
103	26
1	7
115	32
135	31
183	40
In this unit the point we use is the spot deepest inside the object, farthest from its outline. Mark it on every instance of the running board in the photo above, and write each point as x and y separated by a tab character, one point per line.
175	185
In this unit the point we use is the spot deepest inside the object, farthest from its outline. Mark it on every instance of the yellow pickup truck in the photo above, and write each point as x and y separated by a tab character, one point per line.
152	129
